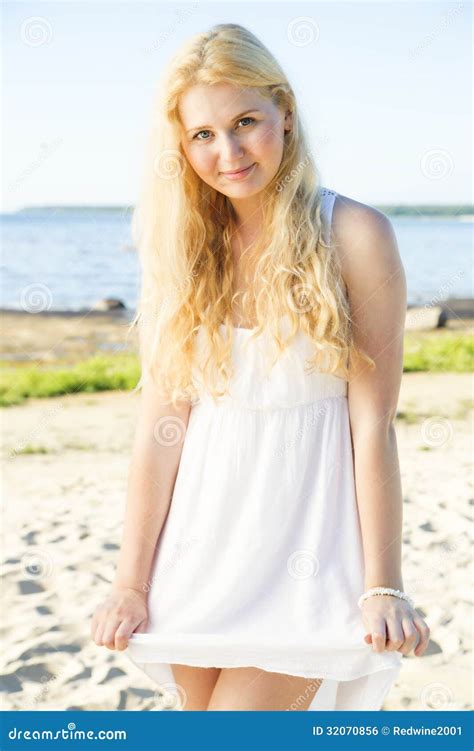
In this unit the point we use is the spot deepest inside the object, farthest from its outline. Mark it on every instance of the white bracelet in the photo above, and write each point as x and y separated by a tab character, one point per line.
384	591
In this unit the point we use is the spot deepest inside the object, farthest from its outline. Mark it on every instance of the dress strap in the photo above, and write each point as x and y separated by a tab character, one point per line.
328	198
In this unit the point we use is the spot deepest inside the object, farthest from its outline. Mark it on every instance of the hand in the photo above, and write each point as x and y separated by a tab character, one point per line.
122	613
394	625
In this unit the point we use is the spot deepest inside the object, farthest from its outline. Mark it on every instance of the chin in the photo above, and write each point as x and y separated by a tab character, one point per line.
243	191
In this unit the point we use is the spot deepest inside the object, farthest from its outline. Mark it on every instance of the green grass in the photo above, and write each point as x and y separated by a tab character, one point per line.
435	352
410	418
424	352
98	373
29	449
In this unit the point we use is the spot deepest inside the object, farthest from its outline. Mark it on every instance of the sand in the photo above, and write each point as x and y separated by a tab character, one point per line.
62	518
55	337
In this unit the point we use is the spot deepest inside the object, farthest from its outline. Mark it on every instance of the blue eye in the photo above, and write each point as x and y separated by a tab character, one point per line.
198	134
247	118
195	137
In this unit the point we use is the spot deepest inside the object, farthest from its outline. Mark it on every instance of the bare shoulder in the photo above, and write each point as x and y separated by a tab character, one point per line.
363	239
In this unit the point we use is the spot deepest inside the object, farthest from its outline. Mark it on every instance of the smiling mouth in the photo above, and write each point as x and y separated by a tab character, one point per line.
237	173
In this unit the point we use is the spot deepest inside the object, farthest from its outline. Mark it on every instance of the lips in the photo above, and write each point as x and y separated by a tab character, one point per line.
241	175
238	172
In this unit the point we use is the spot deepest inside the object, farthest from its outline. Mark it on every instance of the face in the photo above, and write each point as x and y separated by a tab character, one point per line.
226	129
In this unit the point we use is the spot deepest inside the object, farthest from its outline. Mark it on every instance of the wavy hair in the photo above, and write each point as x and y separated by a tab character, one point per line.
182	229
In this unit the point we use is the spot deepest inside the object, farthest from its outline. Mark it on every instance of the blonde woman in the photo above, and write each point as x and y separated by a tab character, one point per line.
264	501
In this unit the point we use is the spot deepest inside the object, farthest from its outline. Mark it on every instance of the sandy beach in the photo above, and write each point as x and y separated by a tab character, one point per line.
65	471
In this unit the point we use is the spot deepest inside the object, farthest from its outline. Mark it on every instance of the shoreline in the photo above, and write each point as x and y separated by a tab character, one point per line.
117	314
60	336
453	306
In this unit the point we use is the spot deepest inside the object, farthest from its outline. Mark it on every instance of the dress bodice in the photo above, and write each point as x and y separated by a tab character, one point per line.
254	385
288	383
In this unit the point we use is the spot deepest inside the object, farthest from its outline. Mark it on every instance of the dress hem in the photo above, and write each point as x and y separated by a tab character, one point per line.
362	661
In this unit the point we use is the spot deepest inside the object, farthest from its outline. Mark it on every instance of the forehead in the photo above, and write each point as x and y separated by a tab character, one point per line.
217	103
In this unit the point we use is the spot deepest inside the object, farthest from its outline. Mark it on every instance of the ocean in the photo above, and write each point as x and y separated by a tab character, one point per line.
72	258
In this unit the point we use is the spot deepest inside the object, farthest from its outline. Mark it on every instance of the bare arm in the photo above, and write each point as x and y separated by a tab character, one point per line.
156	455
376	288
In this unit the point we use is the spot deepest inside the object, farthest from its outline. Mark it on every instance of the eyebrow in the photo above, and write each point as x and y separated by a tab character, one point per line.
237	117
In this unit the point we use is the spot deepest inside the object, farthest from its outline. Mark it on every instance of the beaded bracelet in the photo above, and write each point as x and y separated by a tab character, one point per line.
384	591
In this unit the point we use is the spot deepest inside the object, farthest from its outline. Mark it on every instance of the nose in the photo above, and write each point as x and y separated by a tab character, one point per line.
230	152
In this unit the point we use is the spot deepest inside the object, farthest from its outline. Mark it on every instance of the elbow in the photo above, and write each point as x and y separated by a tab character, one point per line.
375	426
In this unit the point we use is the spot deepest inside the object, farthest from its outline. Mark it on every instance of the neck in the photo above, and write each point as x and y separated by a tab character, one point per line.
248	215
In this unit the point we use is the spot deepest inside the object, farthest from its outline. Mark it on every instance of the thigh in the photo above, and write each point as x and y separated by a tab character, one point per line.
194	685
254	689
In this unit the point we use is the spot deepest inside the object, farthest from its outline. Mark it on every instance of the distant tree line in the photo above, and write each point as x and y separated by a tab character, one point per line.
448	210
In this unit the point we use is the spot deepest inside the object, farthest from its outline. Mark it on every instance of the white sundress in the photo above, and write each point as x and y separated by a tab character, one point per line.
260	560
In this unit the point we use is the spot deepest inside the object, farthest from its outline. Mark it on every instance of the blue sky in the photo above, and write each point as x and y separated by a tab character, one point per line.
384	88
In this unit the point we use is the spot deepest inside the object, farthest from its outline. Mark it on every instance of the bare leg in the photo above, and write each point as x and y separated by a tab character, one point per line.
194	685
254	689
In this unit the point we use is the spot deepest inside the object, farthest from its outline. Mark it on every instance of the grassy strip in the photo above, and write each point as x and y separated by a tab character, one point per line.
438	353
433	352
98	373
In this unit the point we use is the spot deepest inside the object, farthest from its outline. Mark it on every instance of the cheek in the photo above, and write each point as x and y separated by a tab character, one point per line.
201	160
267	143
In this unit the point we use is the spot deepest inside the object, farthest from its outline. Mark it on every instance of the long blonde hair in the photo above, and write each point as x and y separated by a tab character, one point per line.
182	229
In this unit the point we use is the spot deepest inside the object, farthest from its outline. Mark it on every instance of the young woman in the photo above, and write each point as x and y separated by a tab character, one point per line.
264	495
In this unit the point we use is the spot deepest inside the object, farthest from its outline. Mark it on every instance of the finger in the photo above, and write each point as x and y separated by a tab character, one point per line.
142	627
109	632
412	636
95	621
99	633
124	631
93	625
395	635
122	635
378	630
424	632
367	635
